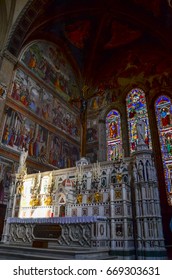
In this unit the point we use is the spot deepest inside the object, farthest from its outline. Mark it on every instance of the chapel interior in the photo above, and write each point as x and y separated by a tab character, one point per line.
76	79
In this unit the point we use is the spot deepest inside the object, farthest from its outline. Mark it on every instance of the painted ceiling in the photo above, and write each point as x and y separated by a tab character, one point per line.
110	44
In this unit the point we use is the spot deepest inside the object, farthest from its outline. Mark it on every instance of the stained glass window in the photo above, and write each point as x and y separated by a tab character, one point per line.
113	133
136	111
163	107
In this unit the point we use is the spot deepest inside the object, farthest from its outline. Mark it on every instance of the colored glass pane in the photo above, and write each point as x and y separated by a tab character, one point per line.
137	110
113	135
163	107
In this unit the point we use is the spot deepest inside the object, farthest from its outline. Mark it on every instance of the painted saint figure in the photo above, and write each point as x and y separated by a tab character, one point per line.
113	130
165	117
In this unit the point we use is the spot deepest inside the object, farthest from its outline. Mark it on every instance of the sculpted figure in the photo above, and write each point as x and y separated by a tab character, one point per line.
141	131
22	160
23	157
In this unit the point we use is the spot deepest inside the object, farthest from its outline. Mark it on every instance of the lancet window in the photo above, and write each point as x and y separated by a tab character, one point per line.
163	108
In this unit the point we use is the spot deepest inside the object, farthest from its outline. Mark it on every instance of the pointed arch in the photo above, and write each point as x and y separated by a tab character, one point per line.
148	168
113	135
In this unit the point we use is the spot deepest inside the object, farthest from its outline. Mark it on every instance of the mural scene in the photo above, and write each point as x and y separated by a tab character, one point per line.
62	154
101	97
65	120
43	104
22	133
49	65
32	96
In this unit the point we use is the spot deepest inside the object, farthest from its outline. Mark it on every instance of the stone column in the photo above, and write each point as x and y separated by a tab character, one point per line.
124	129
9	211
112	216
102	152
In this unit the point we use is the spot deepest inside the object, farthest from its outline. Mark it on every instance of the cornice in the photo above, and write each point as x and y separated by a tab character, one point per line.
9	56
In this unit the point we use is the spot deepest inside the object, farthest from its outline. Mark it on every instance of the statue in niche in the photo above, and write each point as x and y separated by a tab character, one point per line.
119	177
141	131
20	187
140	171
22	161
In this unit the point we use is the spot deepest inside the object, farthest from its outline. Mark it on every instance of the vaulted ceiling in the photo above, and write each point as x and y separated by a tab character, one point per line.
109	43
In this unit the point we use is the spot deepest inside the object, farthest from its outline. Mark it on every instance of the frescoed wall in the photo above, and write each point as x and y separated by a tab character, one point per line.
49	65
62	154
42	103
21	132
41	90
65	120
102	97
31	95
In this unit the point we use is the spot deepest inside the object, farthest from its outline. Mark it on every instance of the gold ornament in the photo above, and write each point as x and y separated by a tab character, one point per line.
97	197
34	201
48	201
119	177
79	198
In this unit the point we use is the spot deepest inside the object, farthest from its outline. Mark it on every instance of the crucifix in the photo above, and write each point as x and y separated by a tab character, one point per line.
83	117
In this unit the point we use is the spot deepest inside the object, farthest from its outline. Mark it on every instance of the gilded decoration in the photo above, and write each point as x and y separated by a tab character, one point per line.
34	201
118	194
79	198
119	177
20	187
48	201
98	197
